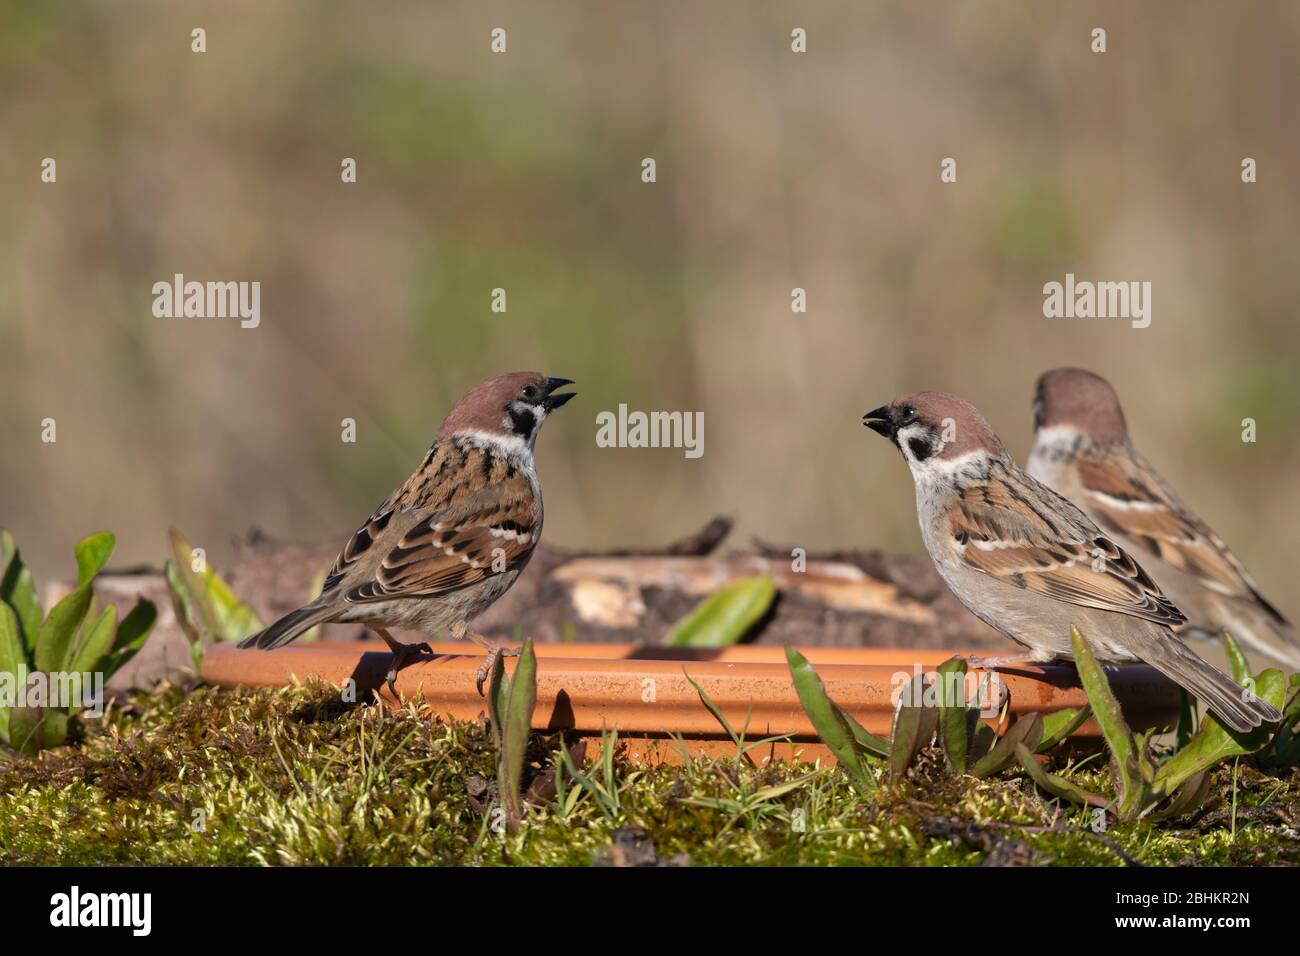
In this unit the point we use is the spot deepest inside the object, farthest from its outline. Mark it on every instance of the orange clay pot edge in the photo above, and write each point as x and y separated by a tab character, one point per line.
585	687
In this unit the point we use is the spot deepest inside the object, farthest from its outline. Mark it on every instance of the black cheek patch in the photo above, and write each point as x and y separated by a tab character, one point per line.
920	448
522	421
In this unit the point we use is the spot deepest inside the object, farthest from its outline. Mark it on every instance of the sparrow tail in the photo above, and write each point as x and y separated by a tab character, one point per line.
1228	699
289	628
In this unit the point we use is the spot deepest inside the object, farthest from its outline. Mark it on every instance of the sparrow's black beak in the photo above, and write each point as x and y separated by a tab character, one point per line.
554	401
881	421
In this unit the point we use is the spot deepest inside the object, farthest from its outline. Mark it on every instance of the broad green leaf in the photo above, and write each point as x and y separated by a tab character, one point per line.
1124	752
133	632
724	618
876	746
55	635
956	719
235	619
18	590
1238	666
1215	742
518	727
92	555
1291	712
982	740
96	642
914	726
498	702
26	730
1186	719
1056	786
1188	797
54	728
827	720
1059	724
1026	732
200	602
183	603
13	660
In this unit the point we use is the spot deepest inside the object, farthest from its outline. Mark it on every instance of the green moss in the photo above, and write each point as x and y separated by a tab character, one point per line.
293	777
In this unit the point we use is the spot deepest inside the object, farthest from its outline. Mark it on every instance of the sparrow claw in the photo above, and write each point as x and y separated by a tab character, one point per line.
495	653
485	668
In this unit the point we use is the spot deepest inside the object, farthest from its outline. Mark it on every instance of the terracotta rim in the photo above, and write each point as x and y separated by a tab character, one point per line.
644	692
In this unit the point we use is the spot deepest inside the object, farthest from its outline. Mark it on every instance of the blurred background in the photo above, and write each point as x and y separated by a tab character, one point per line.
522	170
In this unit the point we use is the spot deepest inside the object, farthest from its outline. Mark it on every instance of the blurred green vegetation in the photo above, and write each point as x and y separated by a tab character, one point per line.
521	171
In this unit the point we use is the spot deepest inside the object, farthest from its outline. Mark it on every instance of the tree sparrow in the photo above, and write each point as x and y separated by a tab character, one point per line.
1082	449
1030	564
453	537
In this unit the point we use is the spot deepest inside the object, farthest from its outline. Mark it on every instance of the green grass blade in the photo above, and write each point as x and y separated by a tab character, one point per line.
827	720
712	708
518	729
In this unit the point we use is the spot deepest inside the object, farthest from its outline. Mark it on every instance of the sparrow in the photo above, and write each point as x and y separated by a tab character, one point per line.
1082	450
1030	564
453	537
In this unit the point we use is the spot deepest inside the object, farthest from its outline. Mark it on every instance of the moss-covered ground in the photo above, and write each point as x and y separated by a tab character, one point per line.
210	776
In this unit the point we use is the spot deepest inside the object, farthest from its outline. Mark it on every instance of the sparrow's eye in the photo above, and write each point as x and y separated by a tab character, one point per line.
909	414
530	393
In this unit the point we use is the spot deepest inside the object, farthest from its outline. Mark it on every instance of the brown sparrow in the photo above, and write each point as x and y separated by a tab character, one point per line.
1030	564
1082	449
453	537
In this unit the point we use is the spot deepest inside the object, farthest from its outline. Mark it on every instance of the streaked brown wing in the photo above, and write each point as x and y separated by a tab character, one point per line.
1129	500
1053	551
486	531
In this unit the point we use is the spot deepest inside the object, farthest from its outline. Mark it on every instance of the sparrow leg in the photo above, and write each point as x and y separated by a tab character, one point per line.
495	652
403	654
